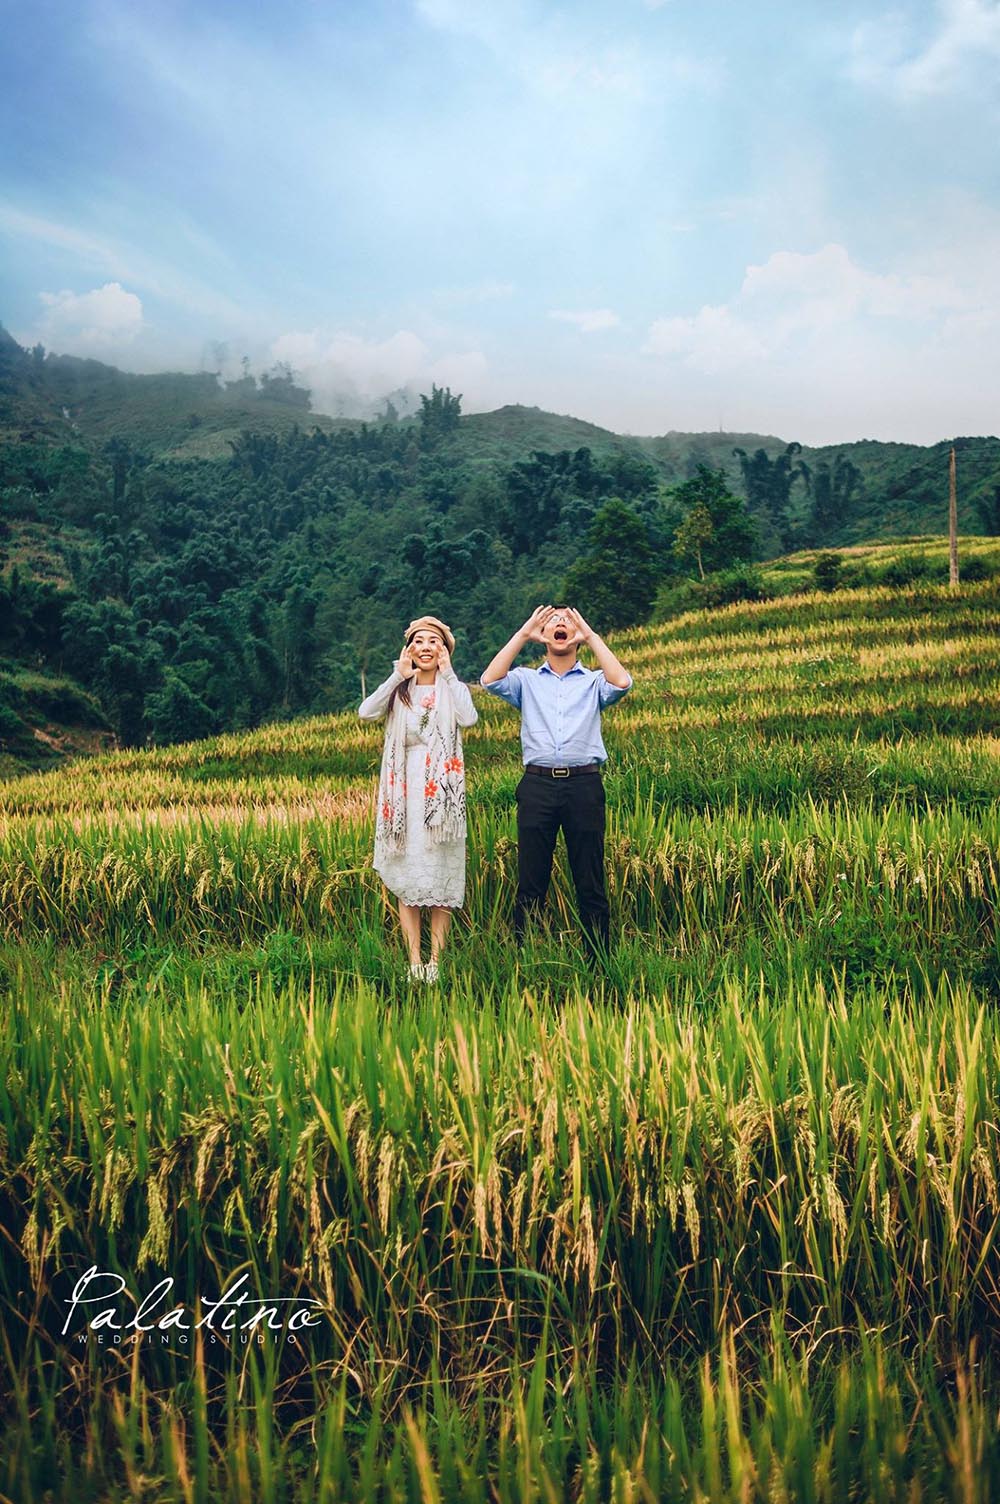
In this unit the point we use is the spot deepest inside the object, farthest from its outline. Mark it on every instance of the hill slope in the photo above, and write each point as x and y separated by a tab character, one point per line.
183	557
63	399
734	1191
749	700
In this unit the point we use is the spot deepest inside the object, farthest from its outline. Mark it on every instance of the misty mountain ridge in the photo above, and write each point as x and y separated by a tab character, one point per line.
184	415
69	400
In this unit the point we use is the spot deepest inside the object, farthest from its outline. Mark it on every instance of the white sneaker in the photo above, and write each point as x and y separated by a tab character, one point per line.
431	971
417	972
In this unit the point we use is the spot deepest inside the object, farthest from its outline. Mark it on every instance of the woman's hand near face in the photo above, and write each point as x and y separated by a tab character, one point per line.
404	665
443	658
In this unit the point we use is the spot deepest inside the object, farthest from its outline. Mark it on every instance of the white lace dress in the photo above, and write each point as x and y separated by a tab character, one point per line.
428	874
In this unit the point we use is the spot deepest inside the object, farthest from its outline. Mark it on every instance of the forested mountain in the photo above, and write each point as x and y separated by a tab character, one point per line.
182	555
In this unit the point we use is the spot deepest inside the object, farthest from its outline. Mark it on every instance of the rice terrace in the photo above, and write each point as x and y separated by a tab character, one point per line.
719	1224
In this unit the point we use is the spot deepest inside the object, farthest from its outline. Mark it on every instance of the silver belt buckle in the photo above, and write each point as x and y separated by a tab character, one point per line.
560	772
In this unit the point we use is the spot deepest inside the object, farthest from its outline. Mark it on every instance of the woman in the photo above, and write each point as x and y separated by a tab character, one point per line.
420	818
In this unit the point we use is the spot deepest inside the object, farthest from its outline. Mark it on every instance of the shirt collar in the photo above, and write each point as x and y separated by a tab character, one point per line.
545	668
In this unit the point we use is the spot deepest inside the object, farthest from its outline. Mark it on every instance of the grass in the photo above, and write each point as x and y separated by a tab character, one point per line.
924	558
635	1213
718	1222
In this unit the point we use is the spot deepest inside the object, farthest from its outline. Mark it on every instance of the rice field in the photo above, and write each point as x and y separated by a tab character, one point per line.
716	1223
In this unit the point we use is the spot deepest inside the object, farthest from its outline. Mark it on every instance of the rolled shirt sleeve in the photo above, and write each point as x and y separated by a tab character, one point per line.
508	688
608	693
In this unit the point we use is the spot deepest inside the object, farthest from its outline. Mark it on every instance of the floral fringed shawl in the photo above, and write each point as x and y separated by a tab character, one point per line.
444	781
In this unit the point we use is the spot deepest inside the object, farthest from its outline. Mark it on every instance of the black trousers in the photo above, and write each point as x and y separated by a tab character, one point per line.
576	806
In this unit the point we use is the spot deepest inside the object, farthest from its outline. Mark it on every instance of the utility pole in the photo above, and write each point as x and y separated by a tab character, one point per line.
952	523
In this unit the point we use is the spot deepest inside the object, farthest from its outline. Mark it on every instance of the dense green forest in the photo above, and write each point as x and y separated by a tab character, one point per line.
182	555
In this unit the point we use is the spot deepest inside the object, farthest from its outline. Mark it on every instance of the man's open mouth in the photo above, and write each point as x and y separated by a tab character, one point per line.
560	634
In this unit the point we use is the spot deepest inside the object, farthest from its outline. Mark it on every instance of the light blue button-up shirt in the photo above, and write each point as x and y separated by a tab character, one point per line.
560	713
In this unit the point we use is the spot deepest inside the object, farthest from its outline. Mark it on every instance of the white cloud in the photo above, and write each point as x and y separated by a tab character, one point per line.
825	287
552	53
488	21
588	320
465	373
885	53
90	323
793	301
353	376
714	340
158	276
614	70
372	367
820	347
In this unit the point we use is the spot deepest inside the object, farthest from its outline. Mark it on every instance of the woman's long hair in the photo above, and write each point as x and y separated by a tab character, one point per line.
401	691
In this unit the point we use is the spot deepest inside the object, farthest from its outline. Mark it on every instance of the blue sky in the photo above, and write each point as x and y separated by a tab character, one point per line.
653	214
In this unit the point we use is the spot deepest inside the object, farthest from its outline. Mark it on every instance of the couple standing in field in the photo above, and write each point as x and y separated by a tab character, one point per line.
420	814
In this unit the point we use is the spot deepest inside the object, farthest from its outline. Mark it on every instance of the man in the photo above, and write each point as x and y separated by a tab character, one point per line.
560	704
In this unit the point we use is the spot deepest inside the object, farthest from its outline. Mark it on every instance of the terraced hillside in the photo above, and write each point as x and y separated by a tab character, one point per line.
716	1223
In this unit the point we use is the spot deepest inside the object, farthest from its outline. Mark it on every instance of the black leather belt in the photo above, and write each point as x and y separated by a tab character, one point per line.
587	767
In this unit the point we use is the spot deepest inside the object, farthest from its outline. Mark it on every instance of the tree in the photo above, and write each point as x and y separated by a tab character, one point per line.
625	474
254	452
293	638
536	489
361	635
278	385
833	489
732	535
769	484
118	452
615	580
128	672
176	714
246	385
988	508
441	563
696	532
541	489
440	412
